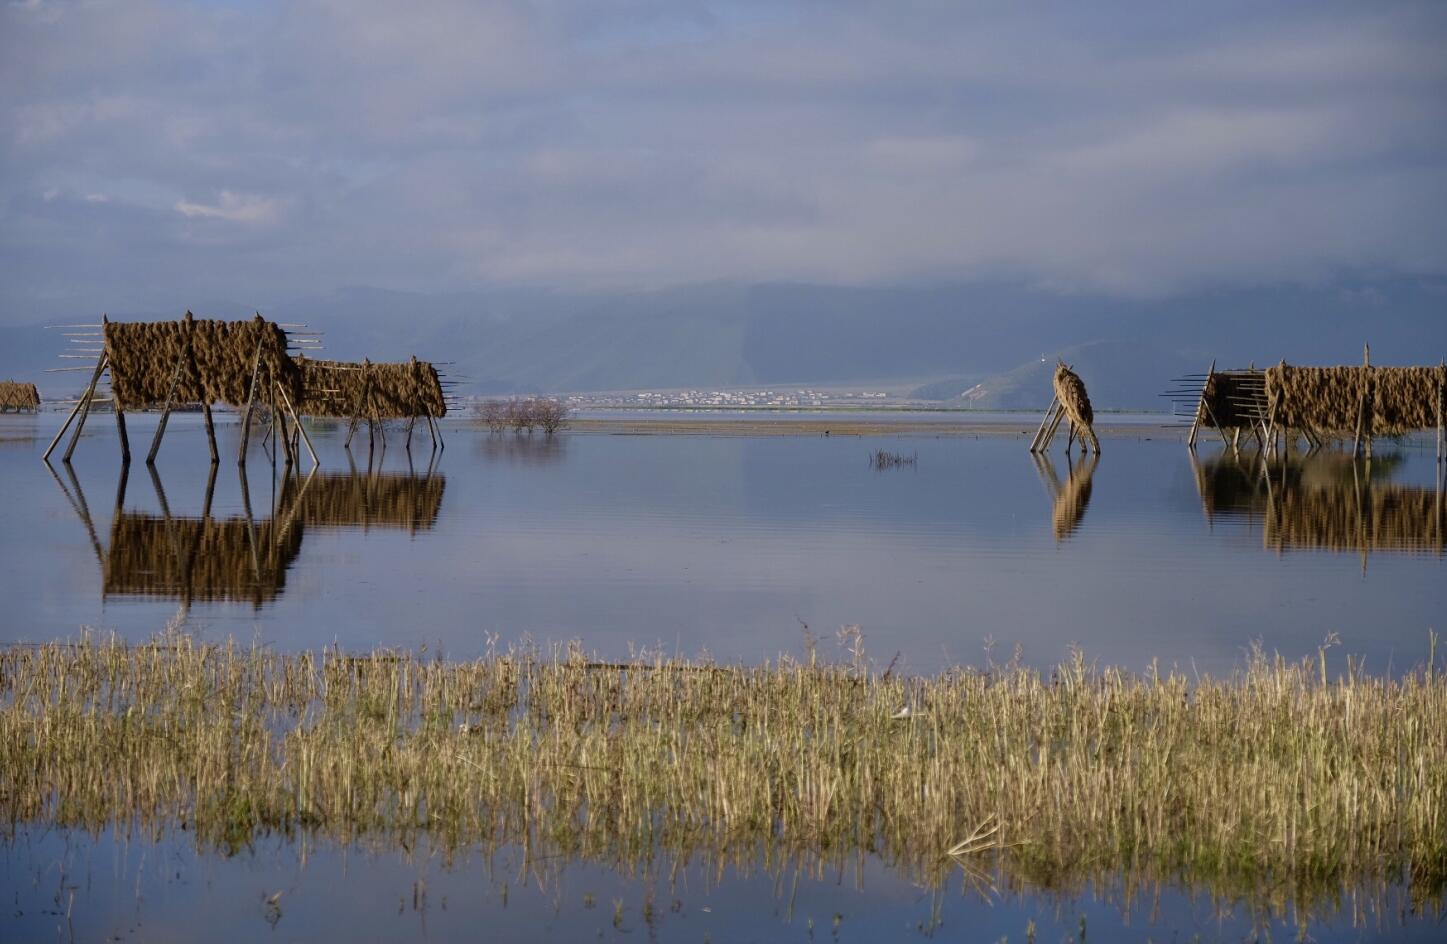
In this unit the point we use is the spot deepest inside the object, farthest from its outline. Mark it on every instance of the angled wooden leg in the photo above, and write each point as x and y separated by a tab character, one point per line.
250	401
121	430
166	410
210	432
84	407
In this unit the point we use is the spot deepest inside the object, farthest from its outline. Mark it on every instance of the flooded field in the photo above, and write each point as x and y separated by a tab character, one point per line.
950	589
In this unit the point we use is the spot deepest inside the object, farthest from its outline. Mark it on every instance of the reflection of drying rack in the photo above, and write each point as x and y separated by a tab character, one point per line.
1325	502
240	558
1069	501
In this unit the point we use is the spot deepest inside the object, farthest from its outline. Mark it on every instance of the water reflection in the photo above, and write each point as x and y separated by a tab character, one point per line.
523	450
1070	500
240	558
1324	502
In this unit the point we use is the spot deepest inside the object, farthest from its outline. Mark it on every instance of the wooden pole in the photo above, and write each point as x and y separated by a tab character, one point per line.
1441	385
1054	425
250	400
116	401
120	422
1200	406
299	428
210	432
166	409
1369	405
85	407
66	425
1040	431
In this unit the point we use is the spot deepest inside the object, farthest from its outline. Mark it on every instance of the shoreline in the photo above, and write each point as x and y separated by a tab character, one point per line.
735	426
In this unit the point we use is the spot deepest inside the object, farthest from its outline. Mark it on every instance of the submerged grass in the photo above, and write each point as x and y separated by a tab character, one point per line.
1278	784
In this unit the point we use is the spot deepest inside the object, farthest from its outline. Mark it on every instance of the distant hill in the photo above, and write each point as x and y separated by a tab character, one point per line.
1118	374
936	337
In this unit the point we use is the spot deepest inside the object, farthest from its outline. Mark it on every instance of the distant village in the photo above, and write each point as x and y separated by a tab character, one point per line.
730	399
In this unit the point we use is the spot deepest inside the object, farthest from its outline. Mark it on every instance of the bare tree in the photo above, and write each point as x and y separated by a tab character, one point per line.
494	413
551	415
520	415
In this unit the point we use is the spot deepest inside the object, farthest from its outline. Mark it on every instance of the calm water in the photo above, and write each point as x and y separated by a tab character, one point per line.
731	545
740	547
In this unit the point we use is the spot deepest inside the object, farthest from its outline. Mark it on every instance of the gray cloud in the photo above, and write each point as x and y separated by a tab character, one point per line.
153	151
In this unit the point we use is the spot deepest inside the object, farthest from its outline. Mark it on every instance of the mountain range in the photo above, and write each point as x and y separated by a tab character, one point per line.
989	345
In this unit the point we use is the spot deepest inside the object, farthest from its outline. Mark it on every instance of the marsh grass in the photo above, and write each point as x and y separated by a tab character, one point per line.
1278	785
884	459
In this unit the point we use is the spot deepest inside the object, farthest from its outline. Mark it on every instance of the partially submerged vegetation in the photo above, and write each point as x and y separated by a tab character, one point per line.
1279	785
884	459
523	415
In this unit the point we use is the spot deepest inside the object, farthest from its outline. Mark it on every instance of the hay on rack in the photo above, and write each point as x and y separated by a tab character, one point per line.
1329	399
18	396
216	357
199	559
1233	399
384	391
365	501
1070	391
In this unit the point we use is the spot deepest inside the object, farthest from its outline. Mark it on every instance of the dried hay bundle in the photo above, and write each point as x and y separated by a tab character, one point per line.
364	501
1329	399
199	558
17	396
1070	391
1232	398
384	391
143	358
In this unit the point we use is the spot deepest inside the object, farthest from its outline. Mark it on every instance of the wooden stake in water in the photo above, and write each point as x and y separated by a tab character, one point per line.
69	419
250	400
166	409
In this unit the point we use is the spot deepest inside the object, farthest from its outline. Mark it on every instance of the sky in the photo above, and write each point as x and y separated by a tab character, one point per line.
154	151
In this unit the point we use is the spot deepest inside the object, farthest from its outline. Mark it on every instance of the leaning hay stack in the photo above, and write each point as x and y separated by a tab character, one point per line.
1070	391
216	359
1329	399
18	396
200	559
375	391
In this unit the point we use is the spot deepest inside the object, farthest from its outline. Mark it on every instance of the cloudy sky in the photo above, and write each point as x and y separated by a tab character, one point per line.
156	152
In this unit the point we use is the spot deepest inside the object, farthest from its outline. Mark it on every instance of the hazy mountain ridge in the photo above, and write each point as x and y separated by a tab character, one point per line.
721	335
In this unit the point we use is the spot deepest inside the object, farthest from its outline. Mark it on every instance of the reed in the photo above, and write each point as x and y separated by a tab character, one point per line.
1278	784
884	459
